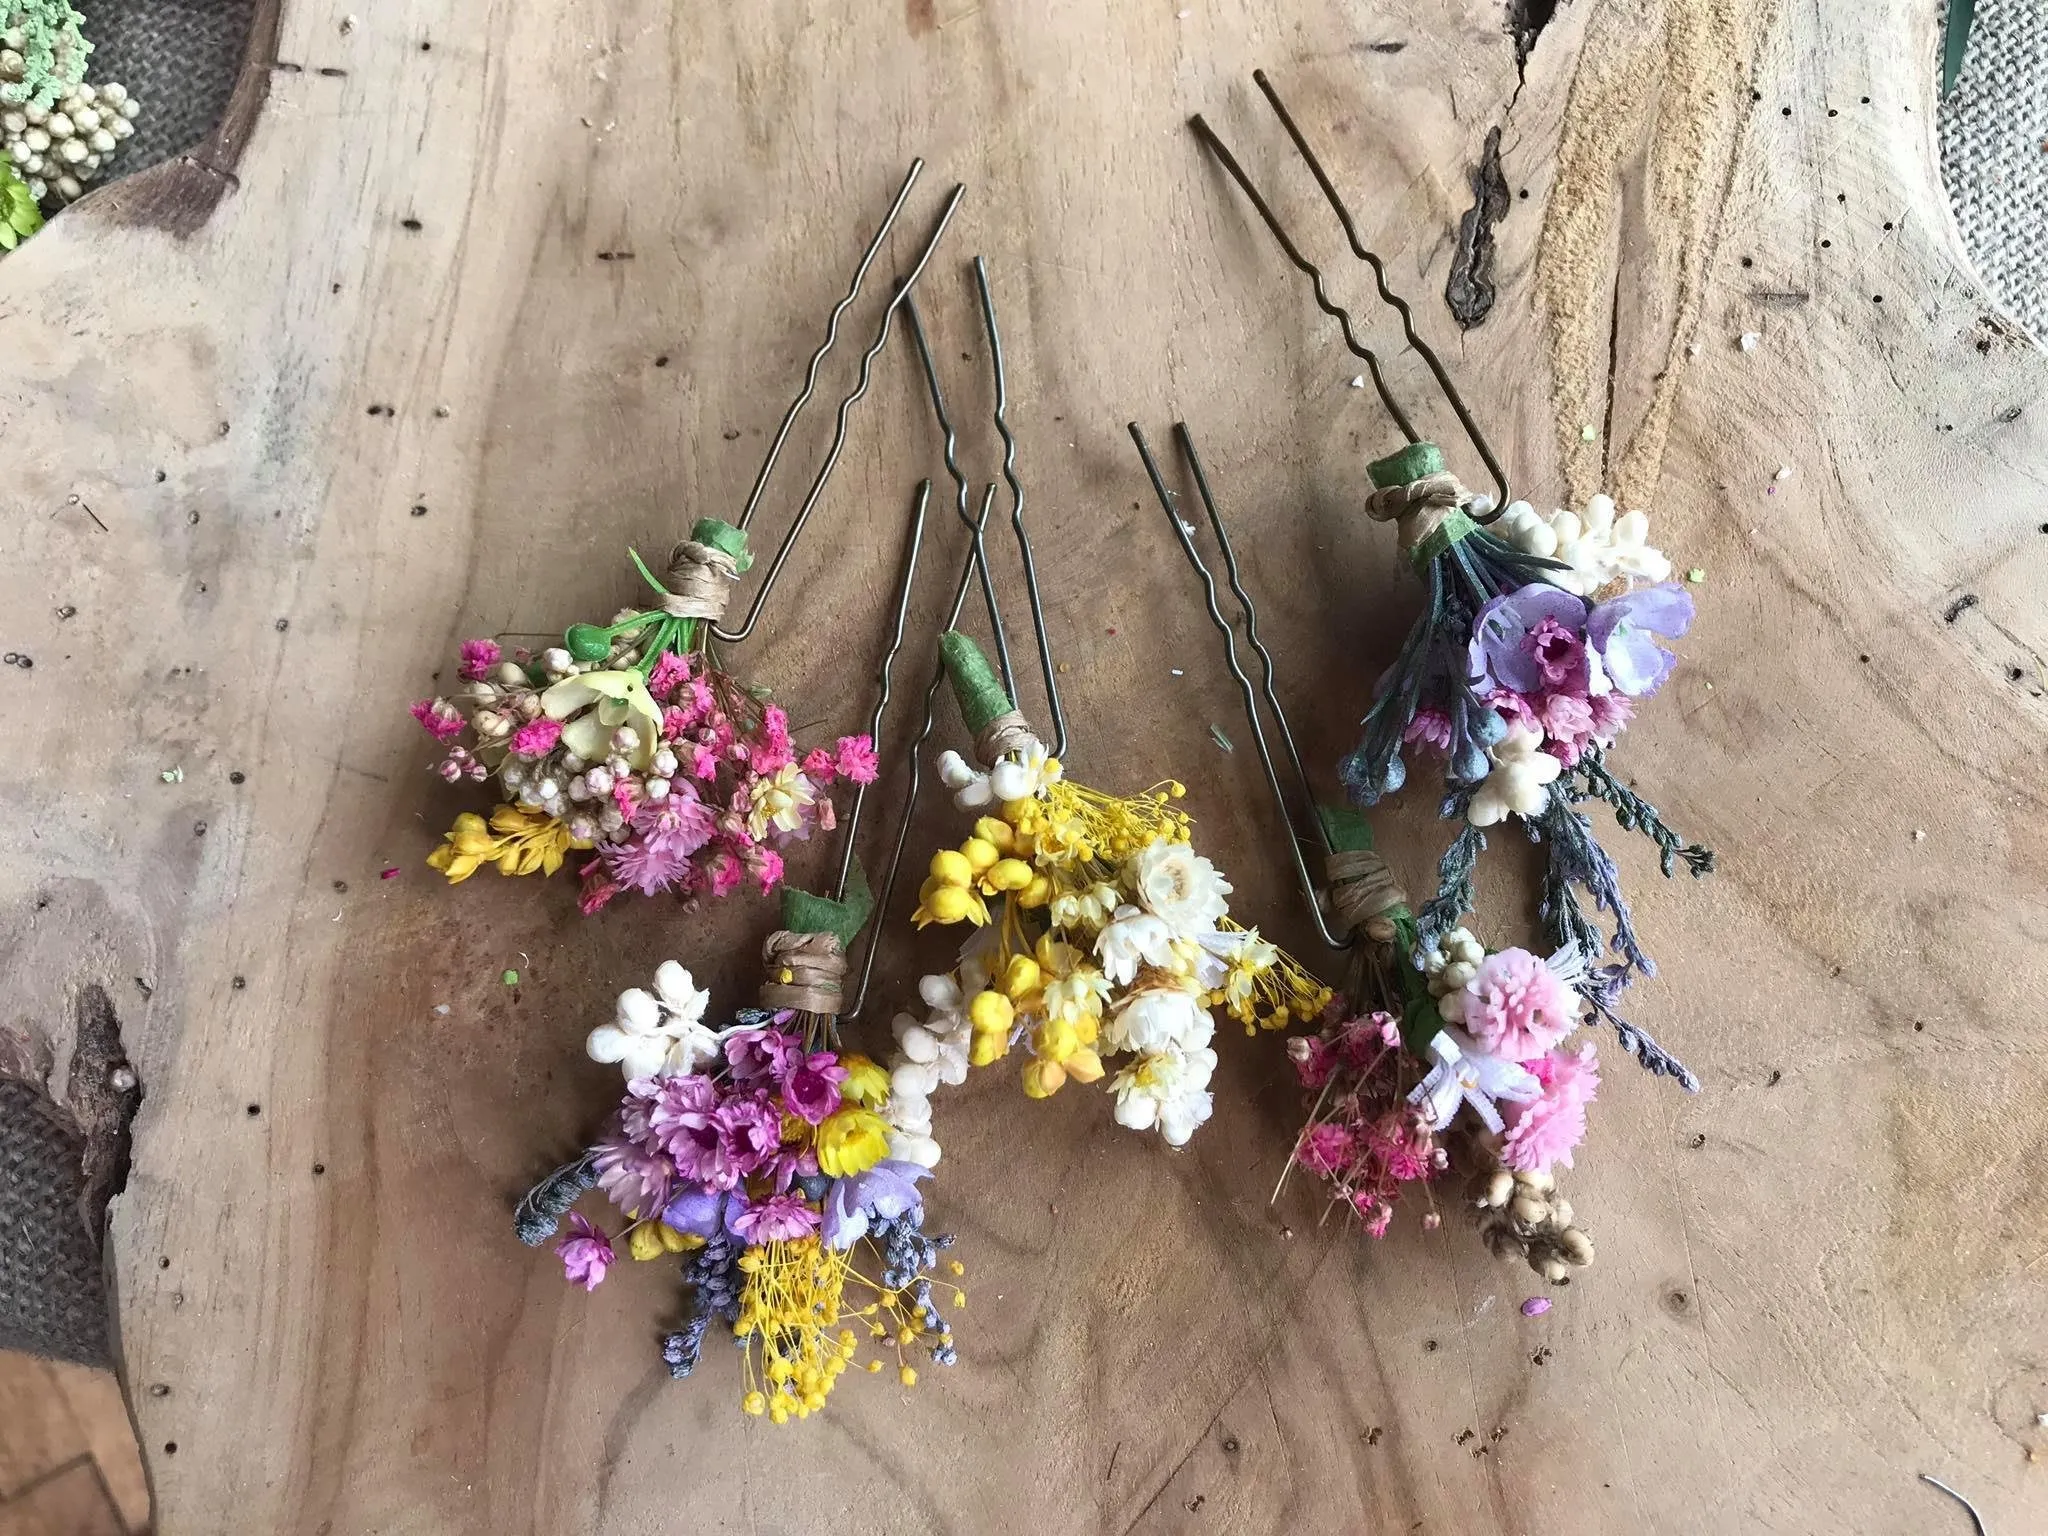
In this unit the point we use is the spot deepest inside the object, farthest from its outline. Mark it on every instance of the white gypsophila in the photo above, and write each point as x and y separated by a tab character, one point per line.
1131	939
1519	783
1085	909
1023	773
660	1033
1166	1090
1156	1018
969	785
1177	885
1598	547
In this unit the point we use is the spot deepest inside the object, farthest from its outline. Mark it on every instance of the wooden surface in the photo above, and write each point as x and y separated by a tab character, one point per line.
1819	1278
68	1459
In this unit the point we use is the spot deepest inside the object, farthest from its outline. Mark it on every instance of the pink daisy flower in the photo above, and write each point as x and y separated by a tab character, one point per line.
644	865
752	1130
760	1056
1567	723
1517	1006
1514	708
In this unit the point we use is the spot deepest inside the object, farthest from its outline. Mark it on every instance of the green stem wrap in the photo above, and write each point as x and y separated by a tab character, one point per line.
1413	489
974	680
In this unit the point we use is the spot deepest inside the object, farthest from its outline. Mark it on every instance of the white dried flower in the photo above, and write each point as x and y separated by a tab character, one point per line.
660	1033
1599	546
1520	781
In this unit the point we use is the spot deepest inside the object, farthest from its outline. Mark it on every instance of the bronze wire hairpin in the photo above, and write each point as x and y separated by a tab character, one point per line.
976	564
898	299
1214	143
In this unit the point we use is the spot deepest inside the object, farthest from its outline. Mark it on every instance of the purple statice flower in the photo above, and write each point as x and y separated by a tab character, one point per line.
1521	637
586	1253
779	1218
750	1129
888	1191
698	1211
1622	633
759	1056
678	824
633	1178
811	1086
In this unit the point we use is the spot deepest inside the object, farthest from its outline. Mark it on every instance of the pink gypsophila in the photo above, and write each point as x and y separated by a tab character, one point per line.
1518	1007
478	657
586	1253
766	865
856	761
671	670
1325	1149
440	718
775	732
1542	1133
536	738
778	1219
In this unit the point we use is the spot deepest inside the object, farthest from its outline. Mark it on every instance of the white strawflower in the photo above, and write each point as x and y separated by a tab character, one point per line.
1167	1090
1179	886
1133	939
1158	1018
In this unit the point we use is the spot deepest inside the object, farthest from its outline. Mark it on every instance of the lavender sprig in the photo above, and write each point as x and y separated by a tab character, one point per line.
713	1276
1600	989
1454	887
541	1208
1576	859
1637	815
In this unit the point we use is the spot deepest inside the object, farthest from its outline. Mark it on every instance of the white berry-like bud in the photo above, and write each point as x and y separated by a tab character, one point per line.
657	789
113	93
625	738
85	118
579	789
583	829
557	662
665	763
120	127
509	674
13	122
37	140
570	762
100	141
548	789
34	113
130	108
599	779
60	125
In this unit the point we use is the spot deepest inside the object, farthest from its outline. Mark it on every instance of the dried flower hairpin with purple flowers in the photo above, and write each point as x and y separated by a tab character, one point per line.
631	740
757	1150
1539	638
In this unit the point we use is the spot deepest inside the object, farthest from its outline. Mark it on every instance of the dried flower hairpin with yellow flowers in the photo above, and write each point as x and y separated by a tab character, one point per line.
630	740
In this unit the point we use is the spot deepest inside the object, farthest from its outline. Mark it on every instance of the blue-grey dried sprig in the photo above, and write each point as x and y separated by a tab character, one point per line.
1590	779
713	1275
541	1208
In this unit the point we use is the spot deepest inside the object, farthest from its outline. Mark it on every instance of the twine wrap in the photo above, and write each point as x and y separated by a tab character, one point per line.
998	728
1363	891
1422	499
803	972
700	577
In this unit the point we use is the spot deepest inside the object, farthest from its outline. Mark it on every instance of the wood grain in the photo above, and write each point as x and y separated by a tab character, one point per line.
1820	1277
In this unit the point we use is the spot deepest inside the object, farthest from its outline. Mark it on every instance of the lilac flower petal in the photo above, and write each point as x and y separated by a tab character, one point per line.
845	1220
1665	609
1636	663
697	1211
1536	1306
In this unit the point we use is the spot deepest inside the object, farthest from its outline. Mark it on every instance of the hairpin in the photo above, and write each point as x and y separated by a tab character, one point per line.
1100	932
1422	1031
1519	673
757	1150
631	739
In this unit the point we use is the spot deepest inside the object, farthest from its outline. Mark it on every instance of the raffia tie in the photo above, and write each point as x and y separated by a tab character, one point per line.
803	972
1419	508
1002	736
1362	891
699	580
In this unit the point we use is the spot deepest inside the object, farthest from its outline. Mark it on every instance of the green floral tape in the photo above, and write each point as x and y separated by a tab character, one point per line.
803	912
975	683
715	533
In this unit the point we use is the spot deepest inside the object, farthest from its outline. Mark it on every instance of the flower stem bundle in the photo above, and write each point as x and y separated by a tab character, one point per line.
1099	934
631	742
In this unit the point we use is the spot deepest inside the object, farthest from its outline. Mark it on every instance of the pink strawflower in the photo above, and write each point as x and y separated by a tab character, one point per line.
1517	1006
775	729
478	657
647	866
811	1086
752	1129
1559	654
1325	1149
586	1253
1542	1133
686	1118
670	670
762	1057
1431	727
856	760
818	766
1567	725
788	1165
1515	709
536	738
633	1179
679	824
778	1219
1611	715
1313	1060
440	718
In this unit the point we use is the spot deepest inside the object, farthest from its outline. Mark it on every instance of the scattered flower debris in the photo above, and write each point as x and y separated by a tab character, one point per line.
510	978
390	873
1536	1306
173	775
1749	341
1696	575
1221	740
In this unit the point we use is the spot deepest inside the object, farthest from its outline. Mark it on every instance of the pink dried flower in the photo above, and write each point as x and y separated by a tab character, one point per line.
778	1219
856	761
766	865
1543	1132
725	872
1325	1149
478	657
1312	1060
818	765
1611	715
775	729
1431	727
762	1056
1536	1306
598	888
647	866
586	1253
440	718
670	670
810	1087
1518	1007
536	738
752	1129
1567	723
1559	653
1515	709
634	1179
679	824
703	763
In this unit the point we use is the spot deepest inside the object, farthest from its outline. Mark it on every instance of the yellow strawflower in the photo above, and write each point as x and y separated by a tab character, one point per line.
851	1140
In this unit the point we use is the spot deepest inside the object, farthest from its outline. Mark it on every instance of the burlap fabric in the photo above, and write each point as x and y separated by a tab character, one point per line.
1994	155
52	1294
179	58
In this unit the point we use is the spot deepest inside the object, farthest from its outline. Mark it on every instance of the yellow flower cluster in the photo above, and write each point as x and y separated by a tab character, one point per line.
994	860
652	1239
516	841
792	1301
1266	988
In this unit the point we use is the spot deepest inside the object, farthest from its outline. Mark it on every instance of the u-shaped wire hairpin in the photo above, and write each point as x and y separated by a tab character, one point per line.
1310	890
846	404
1337	312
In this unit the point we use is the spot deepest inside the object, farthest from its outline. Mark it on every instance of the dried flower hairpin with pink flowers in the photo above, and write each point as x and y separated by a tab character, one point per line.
1441	1055
756	1148
631	740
